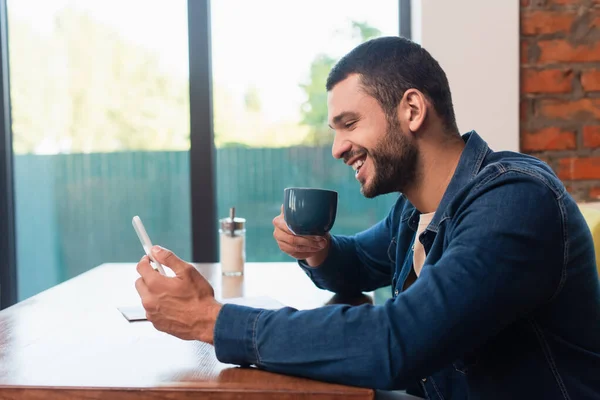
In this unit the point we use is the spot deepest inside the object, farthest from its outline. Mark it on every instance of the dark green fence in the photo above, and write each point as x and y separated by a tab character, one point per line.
74	211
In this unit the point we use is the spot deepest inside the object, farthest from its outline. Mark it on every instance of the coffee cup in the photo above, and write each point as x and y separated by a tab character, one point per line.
309	211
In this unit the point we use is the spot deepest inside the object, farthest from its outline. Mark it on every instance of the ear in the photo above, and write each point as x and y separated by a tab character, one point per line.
413	109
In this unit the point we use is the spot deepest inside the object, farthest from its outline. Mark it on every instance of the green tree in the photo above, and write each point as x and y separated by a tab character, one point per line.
314	109
84	88
252	100
362	31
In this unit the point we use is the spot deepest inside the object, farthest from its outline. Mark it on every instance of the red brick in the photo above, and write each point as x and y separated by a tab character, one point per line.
524	52
590	80
563	51
569	189
591	136
537	22
578	168
543	158
523	110
566	109
595	193
570	2
548	139
547	81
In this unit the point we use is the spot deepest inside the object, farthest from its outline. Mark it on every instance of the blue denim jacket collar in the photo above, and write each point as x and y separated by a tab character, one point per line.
469	165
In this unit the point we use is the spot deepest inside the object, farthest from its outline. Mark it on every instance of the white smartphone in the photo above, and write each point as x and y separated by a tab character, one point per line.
146	243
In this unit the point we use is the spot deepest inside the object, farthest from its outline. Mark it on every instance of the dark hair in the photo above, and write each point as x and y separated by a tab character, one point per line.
388	66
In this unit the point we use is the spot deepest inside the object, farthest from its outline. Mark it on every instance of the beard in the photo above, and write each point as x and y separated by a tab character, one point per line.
395	160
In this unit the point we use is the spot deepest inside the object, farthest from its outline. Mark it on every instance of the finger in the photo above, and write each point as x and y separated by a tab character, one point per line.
305	242
145	294
144	268
300	255
154	280
280	224
141	288
291	250
168	258
299	243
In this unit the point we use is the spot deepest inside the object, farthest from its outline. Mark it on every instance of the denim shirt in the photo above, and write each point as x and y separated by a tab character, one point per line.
507	304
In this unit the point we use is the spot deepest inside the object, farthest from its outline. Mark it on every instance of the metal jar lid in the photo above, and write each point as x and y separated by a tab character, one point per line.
232	223
227	224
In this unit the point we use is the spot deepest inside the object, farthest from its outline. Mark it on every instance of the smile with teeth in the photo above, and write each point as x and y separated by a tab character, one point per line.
357	165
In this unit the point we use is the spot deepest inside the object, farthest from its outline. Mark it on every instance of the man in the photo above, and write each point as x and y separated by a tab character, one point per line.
492	266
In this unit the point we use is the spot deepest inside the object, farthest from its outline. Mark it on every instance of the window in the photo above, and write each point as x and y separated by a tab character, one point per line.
107	123
270	63
100	111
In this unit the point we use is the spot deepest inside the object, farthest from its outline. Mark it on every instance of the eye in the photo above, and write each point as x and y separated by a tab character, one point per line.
350	125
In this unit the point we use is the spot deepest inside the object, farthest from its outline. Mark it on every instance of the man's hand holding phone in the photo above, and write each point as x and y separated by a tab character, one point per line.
183	305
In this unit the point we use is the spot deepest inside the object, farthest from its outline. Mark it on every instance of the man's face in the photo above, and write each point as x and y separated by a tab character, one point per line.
383	157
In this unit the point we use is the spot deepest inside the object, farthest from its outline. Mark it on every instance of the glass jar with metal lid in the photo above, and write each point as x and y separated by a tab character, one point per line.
232	244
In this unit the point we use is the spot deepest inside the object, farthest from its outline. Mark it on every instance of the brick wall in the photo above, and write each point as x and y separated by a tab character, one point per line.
560	90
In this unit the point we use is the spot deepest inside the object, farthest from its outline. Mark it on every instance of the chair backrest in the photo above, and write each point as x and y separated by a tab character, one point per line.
592	217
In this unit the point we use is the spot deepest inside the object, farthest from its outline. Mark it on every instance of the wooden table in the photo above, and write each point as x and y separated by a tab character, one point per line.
71	342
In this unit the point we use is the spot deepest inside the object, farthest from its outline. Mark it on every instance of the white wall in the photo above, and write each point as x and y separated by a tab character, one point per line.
477	43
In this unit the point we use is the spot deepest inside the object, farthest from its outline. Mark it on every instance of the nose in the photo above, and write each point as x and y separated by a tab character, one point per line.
339	147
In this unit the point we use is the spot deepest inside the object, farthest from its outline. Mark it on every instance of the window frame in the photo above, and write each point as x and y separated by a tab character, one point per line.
8	262
202	152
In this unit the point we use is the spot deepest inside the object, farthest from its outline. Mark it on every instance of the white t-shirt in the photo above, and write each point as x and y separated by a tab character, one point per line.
419	251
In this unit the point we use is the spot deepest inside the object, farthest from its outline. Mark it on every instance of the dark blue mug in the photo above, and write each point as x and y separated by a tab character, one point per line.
309	211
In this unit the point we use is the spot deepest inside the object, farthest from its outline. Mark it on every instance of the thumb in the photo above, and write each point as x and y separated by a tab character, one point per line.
168	258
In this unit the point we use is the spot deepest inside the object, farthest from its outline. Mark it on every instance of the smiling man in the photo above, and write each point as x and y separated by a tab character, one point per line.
495	292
